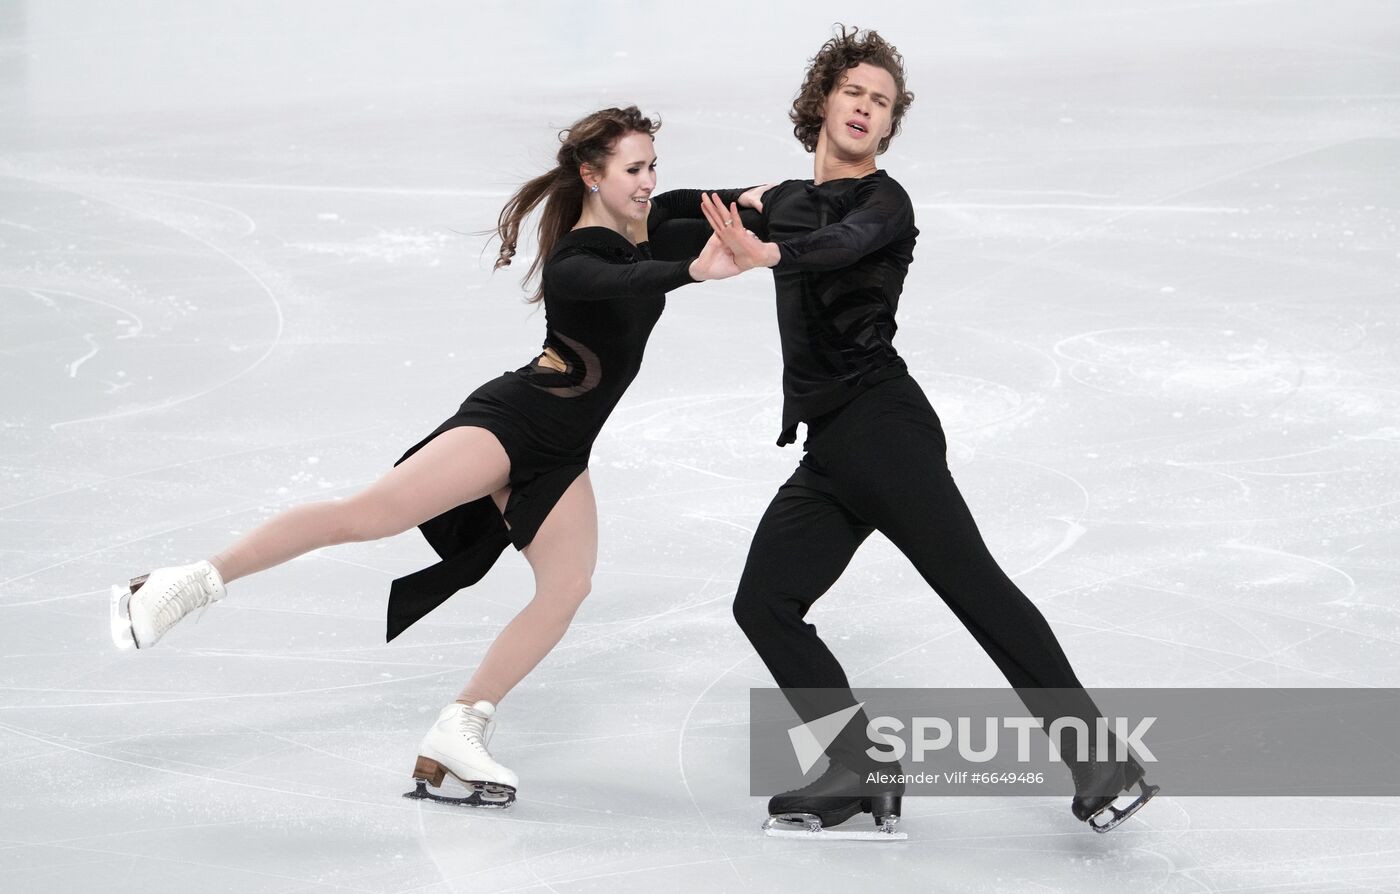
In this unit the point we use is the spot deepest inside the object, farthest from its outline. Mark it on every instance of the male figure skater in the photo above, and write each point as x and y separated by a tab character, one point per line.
840	245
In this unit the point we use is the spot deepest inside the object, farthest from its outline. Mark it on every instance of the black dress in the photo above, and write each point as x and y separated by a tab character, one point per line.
602	296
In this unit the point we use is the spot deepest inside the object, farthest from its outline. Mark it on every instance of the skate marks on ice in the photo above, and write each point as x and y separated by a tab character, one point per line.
167	246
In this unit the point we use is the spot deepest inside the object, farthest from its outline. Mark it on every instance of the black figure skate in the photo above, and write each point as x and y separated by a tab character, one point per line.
1098	783
811	811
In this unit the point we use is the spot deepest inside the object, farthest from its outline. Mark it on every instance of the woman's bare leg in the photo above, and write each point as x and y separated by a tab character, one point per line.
563	556
458	466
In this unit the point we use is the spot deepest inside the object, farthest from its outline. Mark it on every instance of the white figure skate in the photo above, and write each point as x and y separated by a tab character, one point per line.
455	749
148	606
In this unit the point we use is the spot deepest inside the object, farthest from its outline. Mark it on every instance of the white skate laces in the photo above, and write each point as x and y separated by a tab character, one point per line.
143	611
454	750
473	723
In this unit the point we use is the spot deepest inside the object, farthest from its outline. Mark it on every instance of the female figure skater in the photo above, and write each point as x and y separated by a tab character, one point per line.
840	245
511	466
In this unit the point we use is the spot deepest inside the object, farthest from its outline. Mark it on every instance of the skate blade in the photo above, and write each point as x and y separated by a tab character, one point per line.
1120	814
489	795
807	827
120	616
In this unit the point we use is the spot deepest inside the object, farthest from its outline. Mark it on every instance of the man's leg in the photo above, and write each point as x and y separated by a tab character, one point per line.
803	543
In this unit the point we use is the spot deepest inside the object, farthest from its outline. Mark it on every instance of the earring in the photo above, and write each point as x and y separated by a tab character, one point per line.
593	188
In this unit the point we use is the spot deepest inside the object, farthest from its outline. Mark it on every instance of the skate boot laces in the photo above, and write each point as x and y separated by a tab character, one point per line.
474	726
180	597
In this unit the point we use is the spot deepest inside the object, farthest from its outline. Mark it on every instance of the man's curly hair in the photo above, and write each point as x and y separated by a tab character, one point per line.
849	48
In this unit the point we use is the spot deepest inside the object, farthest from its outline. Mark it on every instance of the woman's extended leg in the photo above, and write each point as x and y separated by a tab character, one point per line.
563	556
458	466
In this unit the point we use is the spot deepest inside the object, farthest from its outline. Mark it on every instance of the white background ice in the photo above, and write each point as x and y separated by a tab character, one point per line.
1155	304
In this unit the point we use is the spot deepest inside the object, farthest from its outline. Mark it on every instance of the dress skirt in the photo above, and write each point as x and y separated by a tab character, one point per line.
470	538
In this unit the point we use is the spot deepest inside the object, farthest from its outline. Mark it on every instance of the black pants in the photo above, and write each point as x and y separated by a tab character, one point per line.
879	463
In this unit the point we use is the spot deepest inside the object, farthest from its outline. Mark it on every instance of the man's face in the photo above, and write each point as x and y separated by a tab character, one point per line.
859	111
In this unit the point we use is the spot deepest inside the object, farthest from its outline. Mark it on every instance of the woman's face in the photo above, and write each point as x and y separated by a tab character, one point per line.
626	182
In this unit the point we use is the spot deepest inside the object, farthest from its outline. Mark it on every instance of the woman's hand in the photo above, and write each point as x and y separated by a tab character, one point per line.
714	262
747	249
753	198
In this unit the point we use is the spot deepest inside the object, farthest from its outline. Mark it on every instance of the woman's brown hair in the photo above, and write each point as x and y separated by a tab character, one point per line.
849	48
588	141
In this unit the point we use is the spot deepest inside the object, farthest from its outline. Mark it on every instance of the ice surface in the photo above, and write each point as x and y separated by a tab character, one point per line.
1155	304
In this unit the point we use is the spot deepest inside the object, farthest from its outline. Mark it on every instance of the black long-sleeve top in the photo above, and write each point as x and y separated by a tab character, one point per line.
602	297
846	246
